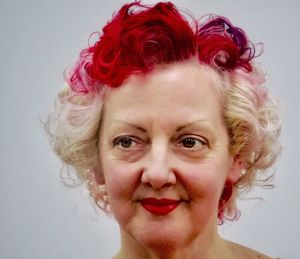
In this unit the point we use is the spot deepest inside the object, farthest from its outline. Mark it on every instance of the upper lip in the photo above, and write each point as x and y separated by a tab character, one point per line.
160	202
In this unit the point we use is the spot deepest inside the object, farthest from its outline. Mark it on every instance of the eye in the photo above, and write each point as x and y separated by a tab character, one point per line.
193	142
189	142
124	142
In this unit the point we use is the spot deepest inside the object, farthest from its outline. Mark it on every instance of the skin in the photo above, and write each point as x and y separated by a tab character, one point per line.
162	135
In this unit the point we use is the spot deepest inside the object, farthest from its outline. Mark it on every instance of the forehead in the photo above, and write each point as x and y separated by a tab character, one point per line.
183	87
182	80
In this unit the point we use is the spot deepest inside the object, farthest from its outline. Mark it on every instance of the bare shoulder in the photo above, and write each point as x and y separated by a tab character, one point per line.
244	252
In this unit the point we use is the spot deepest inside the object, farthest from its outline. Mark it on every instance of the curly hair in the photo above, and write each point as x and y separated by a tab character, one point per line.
137	39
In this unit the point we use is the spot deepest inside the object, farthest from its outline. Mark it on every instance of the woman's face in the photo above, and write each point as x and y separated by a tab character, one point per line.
164	155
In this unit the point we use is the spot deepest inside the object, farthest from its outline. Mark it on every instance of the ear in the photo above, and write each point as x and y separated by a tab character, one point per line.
237	167
97	175
97	172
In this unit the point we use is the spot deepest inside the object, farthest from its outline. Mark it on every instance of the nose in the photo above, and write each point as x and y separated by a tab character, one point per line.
158	172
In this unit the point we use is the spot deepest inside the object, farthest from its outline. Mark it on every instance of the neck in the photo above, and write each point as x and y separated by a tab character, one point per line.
203	246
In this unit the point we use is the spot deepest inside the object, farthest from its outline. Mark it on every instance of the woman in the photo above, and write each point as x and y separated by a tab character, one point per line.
168	121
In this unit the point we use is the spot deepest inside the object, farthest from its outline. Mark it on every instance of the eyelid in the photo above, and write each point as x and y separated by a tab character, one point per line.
195	136
201	139
116	141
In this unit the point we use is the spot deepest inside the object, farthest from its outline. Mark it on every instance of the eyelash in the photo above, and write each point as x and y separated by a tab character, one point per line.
201	141
120	140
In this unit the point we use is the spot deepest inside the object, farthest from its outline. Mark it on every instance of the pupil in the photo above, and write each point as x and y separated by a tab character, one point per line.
188	142
126	142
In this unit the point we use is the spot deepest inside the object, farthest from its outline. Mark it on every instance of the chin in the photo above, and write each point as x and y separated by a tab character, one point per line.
163	237
161	242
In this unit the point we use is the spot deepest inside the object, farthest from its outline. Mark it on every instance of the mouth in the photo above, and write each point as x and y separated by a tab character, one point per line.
159	206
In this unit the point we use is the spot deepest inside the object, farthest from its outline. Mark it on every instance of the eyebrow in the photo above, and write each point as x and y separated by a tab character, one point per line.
132	125
184	126
192	123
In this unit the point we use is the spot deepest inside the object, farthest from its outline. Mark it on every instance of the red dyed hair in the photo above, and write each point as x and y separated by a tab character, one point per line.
139	37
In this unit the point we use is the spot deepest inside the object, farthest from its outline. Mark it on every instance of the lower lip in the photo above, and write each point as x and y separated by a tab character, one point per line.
159	207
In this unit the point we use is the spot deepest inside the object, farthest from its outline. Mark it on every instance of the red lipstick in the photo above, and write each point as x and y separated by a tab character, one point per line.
159	206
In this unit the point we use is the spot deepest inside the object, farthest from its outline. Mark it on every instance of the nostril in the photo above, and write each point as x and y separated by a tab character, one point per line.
166	185
157	186
148	185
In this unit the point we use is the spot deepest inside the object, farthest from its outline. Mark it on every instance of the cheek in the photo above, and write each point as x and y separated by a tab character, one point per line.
205	181
120	181
204	187
121	184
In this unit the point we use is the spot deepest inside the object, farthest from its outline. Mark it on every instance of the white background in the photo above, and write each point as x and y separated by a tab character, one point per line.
41	218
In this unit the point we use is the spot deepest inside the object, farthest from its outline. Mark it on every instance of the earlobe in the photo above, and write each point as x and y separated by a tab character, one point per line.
95	176
97	189
227	202
97	171
237	168
99	178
